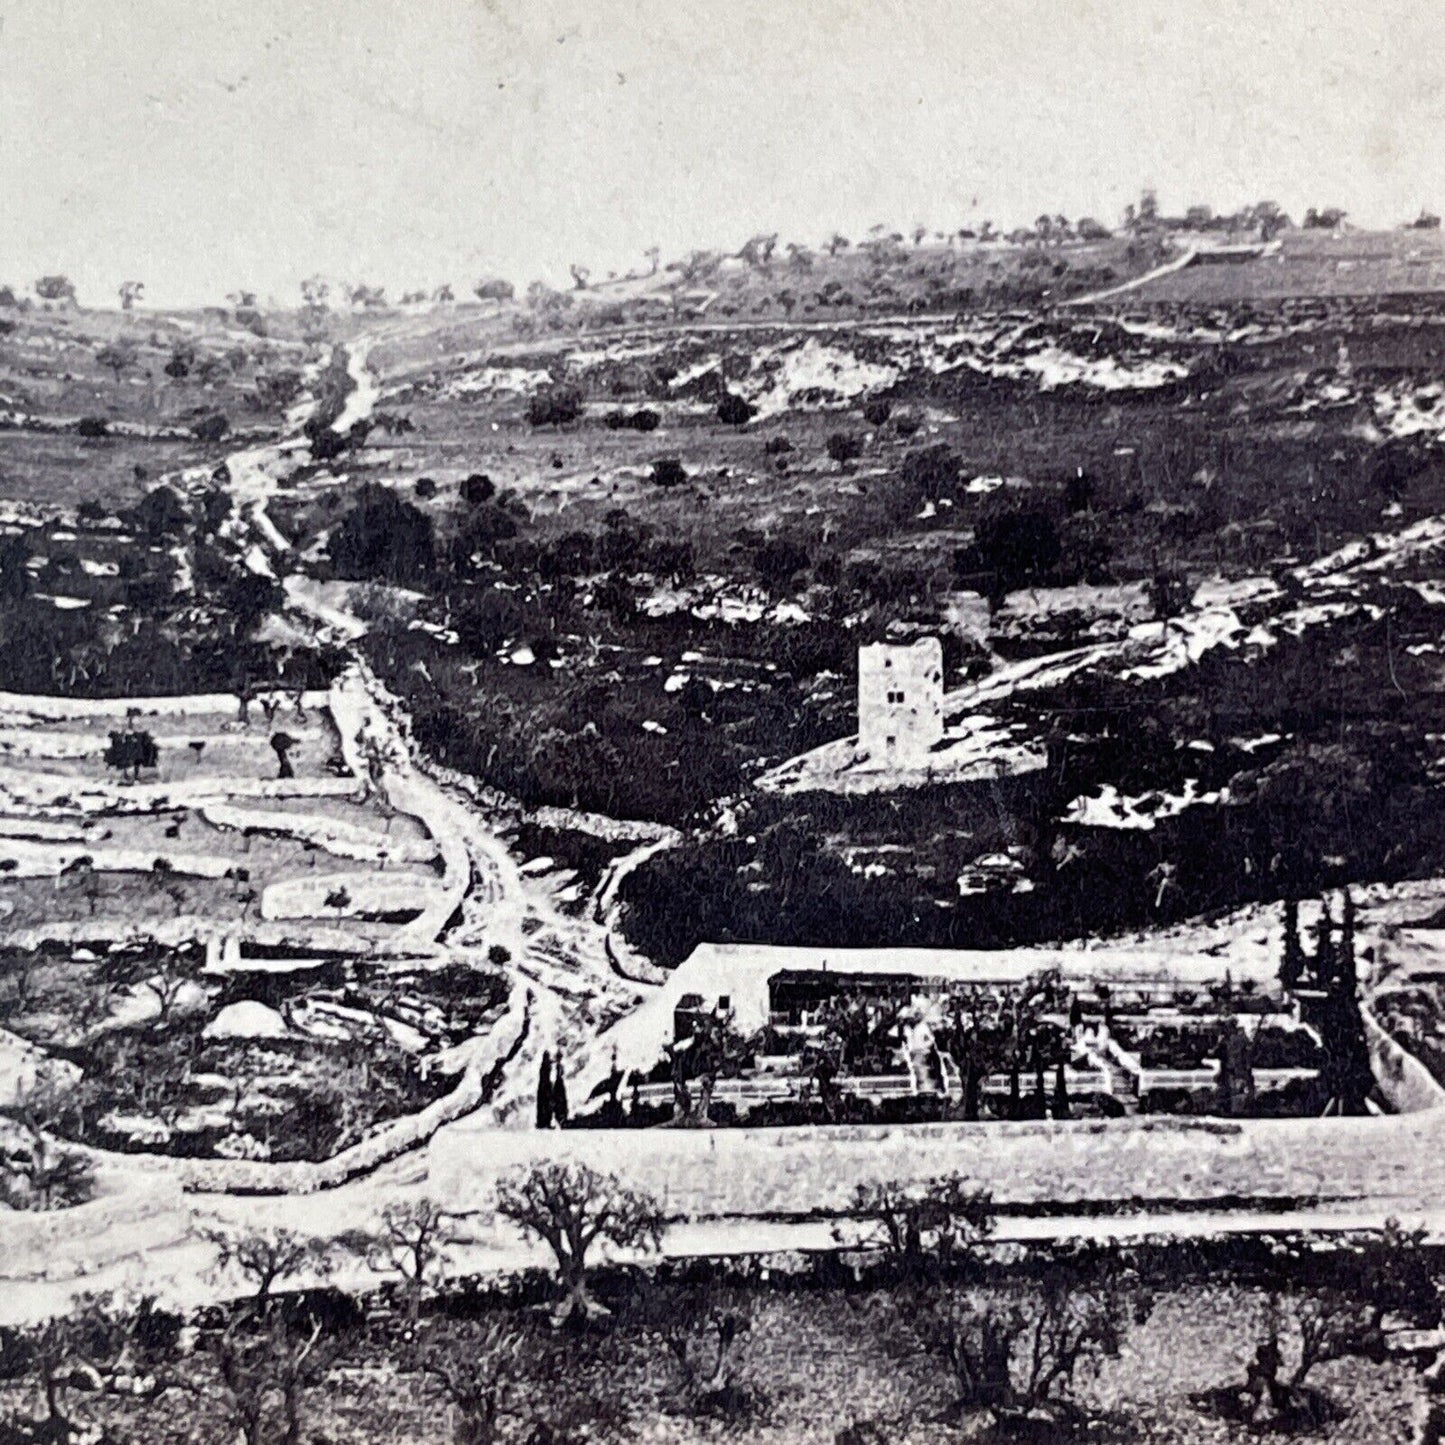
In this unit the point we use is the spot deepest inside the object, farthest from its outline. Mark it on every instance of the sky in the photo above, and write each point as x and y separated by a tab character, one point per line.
202	146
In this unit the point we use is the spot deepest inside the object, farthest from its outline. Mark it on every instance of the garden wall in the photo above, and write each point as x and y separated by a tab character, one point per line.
399	1136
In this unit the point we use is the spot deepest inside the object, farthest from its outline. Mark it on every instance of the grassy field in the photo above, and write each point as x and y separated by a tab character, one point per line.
1309	264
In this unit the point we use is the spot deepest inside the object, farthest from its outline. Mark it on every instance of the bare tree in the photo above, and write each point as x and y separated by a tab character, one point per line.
923	1229
570	1207
264	1367
476	1371
266	1258
1013	1348
409	1240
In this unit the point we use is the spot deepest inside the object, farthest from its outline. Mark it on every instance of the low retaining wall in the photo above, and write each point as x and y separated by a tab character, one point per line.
1404	1080
70	1243
400	1136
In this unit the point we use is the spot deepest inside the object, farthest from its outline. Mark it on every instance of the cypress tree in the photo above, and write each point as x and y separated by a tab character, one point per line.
559	1095
544	1092
1347	943
1292	967
1061	1094
1324	946
1013	1090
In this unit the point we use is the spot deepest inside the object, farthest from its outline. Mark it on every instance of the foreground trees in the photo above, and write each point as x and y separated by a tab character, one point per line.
97	1350
570	1208
1013	1349
923	1231
1336	1309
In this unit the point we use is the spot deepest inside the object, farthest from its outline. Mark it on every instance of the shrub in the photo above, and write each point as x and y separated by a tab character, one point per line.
644	420
478	488
668	472
555	405
734	410
877	411
777	446
844	447
92	427
425	488
211	428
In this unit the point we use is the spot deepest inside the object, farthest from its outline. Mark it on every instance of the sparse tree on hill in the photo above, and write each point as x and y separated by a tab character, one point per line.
269	1258
44	1174
570	1208
654	258
56	289
264	1369
94	1349
494	289
118	356
581	275
366	297
130	293
758	250
477	1370
130	750
164	973
281	745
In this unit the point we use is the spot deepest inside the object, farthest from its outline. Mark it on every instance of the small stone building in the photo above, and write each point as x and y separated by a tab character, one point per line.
900	701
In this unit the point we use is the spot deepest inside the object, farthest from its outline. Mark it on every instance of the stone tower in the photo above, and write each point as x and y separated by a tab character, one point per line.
900	702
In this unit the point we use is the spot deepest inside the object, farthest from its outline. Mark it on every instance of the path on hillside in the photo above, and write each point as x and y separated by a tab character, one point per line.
1186	258
1330	588
561	961
730	1190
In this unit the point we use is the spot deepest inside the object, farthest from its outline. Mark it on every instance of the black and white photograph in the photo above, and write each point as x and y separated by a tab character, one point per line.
722	724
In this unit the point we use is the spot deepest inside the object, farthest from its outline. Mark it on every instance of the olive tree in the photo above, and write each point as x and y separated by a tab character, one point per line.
923	1229
1012	1348
570	1207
